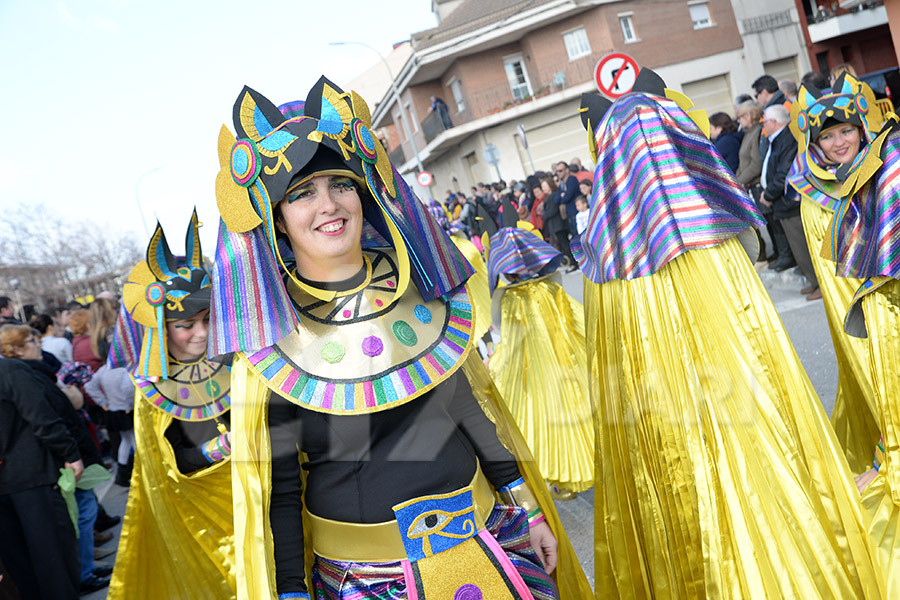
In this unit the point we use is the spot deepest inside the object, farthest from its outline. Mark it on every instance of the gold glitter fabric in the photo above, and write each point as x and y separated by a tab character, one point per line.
718	473
177	537
854	411
881	500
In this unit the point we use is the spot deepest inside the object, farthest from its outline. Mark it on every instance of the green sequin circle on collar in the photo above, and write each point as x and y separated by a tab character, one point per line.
332	352
404	333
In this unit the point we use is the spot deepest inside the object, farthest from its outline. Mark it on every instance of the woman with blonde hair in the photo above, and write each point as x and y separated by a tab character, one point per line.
103	313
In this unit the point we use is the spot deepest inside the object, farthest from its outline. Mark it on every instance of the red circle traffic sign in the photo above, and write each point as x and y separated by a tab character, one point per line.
615	74
424	178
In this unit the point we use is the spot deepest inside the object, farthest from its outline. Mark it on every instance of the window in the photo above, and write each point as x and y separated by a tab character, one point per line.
456	89
517	76
577	44
700	14
627	28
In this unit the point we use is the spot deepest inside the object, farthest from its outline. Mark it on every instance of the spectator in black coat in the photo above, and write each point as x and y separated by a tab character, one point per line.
38	548
727	139
777	150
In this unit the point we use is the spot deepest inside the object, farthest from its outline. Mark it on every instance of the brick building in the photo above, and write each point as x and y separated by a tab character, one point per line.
850	31
508	63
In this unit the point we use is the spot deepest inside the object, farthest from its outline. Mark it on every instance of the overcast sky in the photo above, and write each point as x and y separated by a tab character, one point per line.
106	98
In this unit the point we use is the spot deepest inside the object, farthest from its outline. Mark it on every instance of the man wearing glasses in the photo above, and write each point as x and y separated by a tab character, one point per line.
568	192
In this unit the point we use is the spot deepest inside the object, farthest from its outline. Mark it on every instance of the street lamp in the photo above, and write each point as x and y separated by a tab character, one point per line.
137	197
396	97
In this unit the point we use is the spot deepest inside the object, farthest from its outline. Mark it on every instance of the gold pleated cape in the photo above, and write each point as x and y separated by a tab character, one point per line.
177	538
718	474
252	476
881	500
540	368
854	411
477	284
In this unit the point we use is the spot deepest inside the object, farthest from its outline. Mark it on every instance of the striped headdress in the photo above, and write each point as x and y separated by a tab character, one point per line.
661	189
125	348
521	252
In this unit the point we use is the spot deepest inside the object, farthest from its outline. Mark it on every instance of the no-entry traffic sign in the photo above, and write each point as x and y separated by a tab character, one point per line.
615	74
424	178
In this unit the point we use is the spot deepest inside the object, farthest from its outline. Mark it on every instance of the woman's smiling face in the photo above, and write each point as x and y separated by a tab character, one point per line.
323	219
840	144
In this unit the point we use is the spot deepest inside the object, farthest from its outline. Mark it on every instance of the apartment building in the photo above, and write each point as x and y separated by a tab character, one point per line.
507	65
850	31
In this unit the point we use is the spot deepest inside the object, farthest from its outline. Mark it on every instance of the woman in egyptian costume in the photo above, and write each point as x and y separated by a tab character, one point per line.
177	537
372	456
540	364
718	473
816	180
863	244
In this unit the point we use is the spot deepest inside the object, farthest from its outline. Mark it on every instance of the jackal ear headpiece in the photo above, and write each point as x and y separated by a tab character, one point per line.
594	106
329	133
164	288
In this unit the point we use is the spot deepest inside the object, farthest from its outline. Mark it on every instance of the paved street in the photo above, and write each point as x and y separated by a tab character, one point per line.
805	323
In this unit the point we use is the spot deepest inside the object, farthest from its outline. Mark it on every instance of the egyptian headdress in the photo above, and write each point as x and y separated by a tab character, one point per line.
518	249
252	309
663	188
160	289
848	101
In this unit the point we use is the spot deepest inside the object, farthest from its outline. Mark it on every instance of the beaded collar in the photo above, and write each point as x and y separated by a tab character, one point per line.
367	350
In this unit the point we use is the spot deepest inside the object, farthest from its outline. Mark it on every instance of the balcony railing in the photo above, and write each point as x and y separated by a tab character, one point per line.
864	17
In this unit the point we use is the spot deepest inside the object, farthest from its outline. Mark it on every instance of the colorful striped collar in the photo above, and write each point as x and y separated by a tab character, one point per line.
193	392
361	353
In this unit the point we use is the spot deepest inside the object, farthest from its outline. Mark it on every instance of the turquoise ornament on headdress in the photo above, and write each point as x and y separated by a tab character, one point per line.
245	163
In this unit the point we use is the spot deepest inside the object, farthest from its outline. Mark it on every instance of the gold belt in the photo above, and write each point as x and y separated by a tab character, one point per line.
381	542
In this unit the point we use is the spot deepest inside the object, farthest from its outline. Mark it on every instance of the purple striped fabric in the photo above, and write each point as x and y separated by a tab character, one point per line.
866	241
823	193
250	305
337	580
660	189
125	349
518	252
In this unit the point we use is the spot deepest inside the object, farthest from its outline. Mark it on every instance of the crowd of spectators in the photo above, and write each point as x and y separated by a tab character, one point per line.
759	149
65	422
555	202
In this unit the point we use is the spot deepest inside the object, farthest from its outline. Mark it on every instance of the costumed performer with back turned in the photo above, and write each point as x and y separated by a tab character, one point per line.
177	538
823	115
366	462
718	473
540	364
863	241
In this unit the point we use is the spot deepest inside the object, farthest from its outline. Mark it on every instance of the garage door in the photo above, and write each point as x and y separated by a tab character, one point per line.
712	94
554	135
783	68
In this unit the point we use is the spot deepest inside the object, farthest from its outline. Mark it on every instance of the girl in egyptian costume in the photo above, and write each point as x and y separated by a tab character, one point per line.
862	241
815	177
540	364
177	537
372	456
718	473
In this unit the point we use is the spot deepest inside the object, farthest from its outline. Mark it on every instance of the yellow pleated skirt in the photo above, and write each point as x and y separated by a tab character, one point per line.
177	538
854	411
480	291
881	500
718	473
540	368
